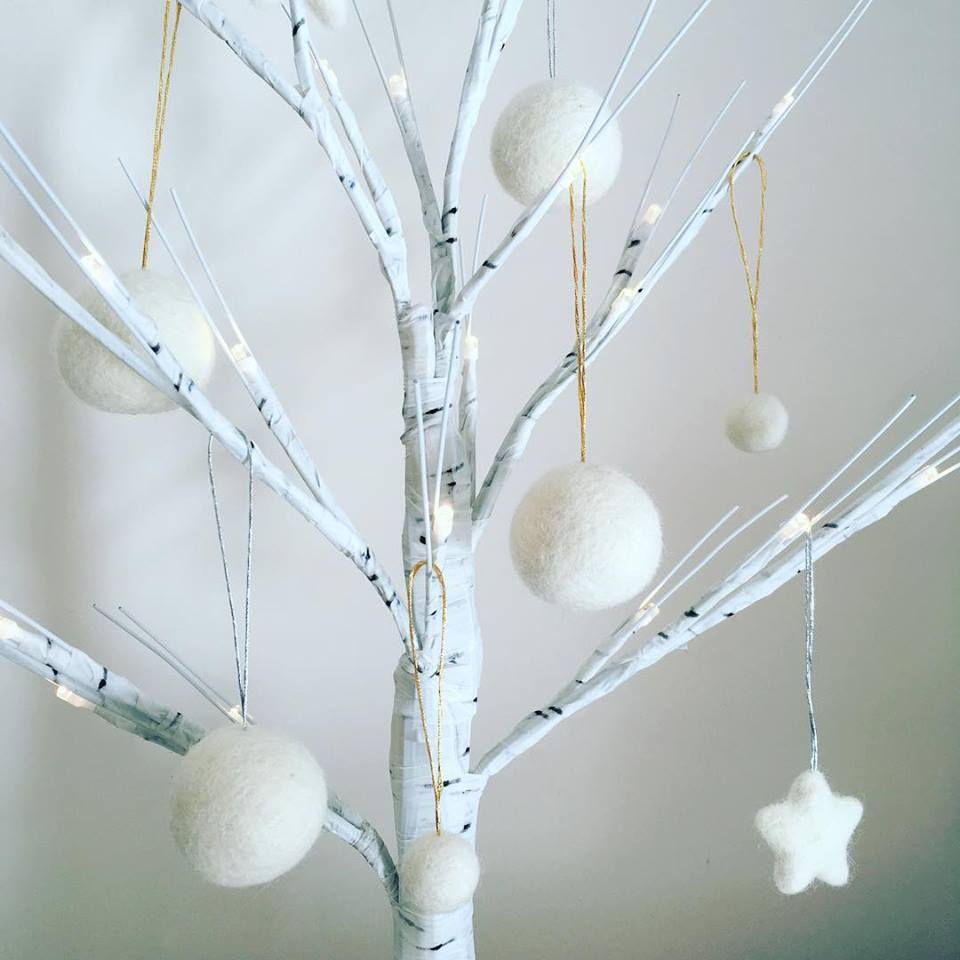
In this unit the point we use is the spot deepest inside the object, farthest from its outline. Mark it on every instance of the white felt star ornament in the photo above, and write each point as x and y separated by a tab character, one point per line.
809	833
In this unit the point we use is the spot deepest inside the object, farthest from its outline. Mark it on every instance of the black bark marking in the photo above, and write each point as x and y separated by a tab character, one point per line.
691	613
540	713
103	680
729	614
439	946
489	265
557	711
634	243
830	526
662	634
466	827
624	273
298	25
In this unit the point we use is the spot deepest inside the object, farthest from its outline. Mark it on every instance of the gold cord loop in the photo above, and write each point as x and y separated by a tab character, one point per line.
168	49
580	301
436	769
753	286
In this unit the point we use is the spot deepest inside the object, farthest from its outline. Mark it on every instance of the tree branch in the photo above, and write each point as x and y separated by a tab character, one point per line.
763	572
625	294
390	247
115	699
189	396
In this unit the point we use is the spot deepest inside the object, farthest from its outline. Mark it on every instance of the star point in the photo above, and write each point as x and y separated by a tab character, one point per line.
809	833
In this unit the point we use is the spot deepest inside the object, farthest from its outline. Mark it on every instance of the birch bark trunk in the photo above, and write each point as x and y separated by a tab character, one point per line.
450	935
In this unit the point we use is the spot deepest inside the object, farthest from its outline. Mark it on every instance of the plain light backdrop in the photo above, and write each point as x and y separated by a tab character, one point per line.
628	832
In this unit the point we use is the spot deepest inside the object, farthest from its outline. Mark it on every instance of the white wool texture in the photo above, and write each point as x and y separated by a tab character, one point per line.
809	833
538	133
586	537
439	873
331	13
101	380
247	805
759	424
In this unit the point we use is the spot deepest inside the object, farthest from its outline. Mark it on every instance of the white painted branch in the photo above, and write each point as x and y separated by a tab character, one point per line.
112	697
614	313
531	217
496	23
115	699
307	103
340	534
741	588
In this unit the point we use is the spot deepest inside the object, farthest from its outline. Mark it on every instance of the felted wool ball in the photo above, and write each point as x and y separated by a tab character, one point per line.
103	381
809	833
247	805
538	133
586	537
439	873
331	13
759	424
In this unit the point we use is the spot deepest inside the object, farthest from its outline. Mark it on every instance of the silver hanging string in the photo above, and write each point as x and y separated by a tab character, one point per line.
552	38
241	650
808	624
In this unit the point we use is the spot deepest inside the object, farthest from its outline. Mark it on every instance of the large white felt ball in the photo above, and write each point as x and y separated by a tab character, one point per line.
331	13
101	380
586	537
538	133
439	873
759	424
247	805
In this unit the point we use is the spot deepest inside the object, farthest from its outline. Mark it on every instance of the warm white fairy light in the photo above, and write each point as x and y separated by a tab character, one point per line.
8	628
243	358
92	264
652	213
397	83
781	105
801	523
925	477
74	699
443	520
623	299
471	347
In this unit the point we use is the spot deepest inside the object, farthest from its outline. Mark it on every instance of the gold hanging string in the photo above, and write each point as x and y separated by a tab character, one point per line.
753	286
168	49
436	769
580	301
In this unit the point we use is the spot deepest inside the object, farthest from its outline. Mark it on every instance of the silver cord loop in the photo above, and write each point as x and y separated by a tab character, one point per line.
808	624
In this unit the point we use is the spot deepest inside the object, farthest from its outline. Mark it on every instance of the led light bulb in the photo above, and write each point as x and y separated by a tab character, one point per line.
925	477
652	213
8	628
781	105
471	347
624	298
397	84
795	526
443	521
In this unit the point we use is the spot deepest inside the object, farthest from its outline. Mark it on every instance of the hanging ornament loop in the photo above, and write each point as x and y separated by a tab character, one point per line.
808	629
753	283
168	49
434	758
552	38
241	648
580	300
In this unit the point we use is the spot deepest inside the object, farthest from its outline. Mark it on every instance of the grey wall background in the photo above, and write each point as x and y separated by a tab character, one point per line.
629	832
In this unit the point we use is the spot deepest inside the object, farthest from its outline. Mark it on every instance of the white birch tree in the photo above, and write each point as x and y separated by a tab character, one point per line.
439	365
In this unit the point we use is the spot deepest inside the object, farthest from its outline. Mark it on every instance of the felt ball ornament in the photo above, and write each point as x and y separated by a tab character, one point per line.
809	833
439	873
586	537
538	133
331	13
759	424
103	381
247	805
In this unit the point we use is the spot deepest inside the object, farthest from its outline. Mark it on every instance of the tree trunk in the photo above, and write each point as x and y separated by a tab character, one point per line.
449	936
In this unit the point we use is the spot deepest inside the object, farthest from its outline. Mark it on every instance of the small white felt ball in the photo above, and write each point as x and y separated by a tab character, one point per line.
247	805
439	873
759	424
331	13
586	537
538	133
101	380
